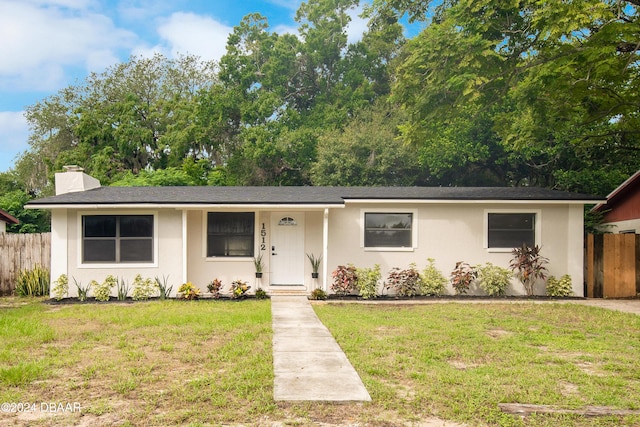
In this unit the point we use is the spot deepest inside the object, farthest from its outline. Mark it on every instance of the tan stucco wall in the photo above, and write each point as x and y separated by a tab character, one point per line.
451	233
169	254
618	226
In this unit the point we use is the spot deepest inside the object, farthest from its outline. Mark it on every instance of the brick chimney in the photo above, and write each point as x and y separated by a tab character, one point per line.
74	179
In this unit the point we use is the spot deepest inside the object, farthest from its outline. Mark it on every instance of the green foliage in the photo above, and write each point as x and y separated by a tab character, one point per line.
61	287
318	294
432	282
562	287
164	287
493	279
33	282
315	262
462	277
344	280
258	264
102	291
239	289
189	291
143	288
214	287
367	281
83	291
31	220
261	293
405	283
123	290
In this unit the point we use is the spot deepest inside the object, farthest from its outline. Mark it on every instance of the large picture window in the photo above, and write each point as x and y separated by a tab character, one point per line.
230	234
511	230
117	238
388	230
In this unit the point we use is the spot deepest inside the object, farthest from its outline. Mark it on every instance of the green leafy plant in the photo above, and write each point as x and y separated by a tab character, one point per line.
102	291
344	280
432	282
33	283
123	290
164	287
143	288
189	291
61	287
562	287
528	266
493	279
83	291
367	281
214	287
405	283
315	262
462	277
318	294
258	264
261	293
239	289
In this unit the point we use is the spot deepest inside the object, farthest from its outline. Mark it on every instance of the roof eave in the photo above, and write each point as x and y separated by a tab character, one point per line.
185	206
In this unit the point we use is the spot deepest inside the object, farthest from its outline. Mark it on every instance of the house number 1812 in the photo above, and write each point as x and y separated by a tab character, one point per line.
263	238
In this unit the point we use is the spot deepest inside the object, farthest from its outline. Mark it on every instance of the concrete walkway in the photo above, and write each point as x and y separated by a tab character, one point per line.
308	363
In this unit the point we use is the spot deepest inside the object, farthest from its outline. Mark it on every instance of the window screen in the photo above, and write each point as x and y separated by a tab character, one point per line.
511	230
388	230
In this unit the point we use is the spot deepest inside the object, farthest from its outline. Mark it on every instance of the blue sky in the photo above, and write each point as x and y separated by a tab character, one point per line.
47	45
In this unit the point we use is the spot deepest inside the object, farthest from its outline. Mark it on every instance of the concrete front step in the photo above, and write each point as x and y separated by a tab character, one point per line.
288	290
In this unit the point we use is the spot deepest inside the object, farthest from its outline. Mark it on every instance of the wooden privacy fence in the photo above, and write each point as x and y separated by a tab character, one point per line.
613	265
20	252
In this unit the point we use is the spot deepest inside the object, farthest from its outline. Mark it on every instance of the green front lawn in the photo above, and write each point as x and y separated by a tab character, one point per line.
210	362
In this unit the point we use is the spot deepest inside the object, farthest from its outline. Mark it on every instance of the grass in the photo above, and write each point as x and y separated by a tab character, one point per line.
459	361
210	363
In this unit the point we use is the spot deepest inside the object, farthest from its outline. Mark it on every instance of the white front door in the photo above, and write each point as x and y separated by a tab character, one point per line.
287	248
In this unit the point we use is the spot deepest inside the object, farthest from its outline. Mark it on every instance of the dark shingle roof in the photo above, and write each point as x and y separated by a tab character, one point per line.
298	195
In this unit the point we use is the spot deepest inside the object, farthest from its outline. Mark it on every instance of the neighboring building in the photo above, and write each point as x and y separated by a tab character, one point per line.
198	234
6	218
621	211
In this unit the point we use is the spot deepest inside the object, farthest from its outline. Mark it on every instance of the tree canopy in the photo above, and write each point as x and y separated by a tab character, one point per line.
507	92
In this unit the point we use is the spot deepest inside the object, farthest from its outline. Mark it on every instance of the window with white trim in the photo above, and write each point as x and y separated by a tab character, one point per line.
230	234
388	229
511	229
117	238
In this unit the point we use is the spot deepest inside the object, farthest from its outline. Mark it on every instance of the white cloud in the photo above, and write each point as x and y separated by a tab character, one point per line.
14	133
357	26
195	34
40	39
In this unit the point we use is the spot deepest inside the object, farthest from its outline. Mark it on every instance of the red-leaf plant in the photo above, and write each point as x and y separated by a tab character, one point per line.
344	280
462	276
529	266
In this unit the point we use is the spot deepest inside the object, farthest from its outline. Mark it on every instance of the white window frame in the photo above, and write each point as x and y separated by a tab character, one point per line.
119	265
256	236
537	225
414	229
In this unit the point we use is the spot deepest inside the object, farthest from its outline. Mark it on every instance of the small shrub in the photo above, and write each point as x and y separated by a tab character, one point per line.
344	280
367	281
462	277
432	282
143	289
83	291
189	291
261	293
33	283
61	287
214	287
318	294
559	287
123	290
405	283
102	291
163	287
493	279
528	266
239	289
